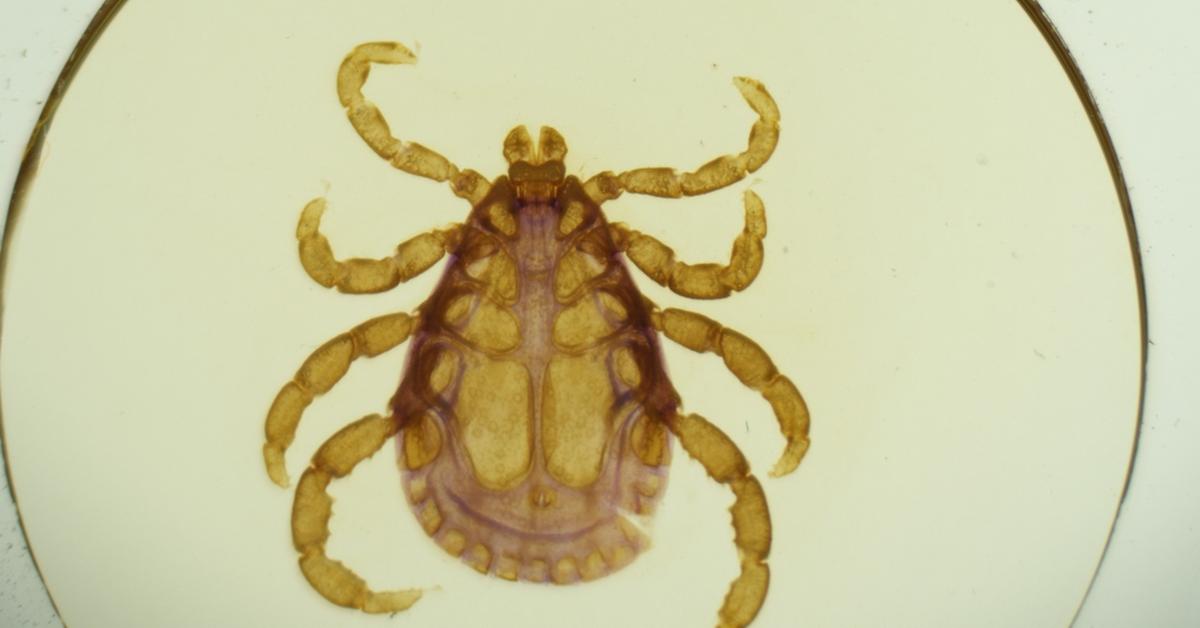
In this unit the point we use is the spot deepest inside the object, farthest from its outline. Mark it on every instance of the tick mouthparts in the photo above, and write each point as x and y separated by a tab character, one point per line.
536	191
518	146
528	172
551	145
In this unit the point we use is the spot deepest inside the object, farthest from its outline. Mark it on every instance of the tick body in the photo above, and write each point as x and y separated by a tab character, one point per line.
535	374
534	419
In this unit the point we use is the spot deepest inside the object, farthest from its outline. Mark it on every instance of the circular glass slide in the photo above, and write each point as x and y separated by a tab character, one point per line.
947	278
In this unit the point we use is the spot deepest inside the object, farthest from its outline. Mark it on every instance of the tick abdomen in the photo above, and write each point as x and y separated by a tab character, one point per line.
528	401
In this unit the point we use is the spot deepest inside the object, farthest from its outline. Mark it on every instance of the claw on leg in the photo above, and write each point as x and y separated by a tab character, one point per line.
700	281
363	276
709	446
324	368
366	118
716	174
313	508
753	367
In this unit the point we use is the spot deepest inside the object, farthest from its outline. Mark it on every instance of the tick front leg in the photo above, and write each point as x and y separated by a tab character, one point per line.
709	446
700	281
716	174
319	373
313	507
753	367
366	118
362	276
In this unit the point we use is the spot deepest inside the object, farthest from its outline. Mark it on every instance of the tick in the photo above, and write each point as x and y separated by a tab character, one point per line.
534	419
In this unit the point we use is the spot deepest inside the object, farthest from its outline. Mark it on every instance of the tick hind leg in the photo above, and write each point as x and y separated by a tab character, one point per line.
313	507
716	174
700	281
324	368
751	519
361	276
753	367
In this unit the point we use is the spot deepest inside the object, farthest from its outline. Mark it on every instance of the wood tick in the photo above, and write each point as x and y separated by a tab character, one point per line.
534	415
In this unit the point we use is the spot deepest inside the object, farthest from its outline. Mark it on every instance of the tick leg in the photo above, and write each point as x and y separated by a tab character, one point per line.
700	281
361	276
709	446
753	367
324	368
366	118
713	175
313	506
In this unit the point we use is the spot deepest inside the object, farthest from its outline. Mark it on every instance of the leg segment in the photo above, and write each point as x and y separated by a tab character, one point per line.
366	118
700	281
751	519
361	276
313	507
324	368
713	175
753	367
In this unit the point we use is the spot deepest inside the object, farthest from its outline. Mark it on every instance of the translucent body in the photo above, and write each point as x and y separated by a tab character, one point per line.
536	364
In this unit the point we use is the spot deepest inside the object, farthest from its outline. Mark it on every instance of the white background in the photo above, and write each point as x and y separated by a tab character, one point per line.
1143	69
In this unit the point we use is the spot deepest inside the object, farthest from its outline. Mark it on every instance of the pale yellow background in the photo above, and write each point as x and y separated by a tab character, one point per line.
947	280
